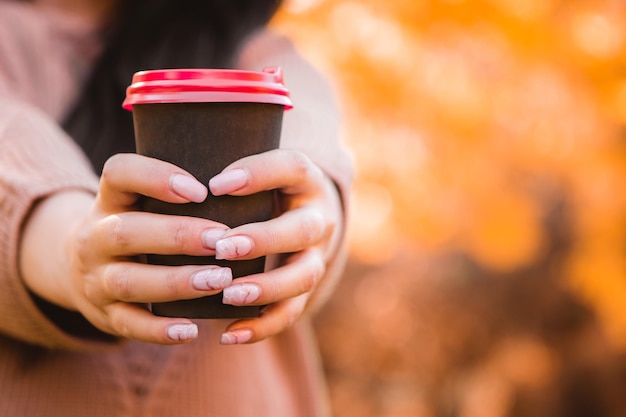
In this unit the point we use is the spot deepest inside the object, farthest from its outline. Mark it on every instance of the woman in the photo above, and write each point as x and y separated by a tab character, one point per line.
75	340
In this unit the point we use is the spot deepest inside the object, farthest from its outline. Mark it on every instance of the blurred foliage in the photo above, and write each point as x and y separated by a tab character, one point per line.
488	228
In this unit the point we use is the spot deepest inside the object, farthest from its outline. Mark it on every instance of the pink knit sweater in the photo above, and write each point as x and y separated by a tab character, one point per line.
45	371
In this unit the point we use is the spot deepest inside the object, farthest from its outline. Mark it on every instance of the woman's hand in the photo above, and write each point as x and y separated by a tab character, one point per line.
305	235
95	271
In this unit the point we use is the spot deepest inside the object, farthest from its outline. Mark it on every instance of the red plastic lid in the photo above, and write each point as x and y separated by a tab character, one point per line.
207	85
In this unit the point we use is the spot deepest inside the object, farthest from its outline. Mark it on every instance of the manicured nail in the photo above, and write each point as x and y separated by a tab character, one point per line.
232	247
211	236
228	181
182	332
241	294
212	279
235	337
188	188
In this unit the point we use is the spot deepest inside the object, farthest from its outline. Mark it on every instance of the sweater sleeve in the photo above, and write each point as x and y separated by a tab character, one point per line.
40	70
312	127
37	159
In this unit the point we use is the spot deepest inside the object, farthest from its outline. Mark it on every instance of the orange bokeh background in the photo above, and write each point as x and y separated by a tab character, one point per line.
487	274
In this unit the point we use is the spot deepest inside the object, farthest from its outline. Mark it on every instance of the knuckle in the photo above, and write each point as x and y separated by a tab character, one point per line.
90	287
302	165
315	273
110	167
318	269
99	318
273	290
84	248
180	236
306	169
312	227
117	230
118	282
120	325
171	283
269	240
294	312
308	283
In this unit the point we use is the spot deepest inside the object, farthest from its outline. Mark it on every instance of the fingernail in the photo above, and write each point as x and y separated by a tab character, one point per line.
235	337
228	181
211	236
182	332
212	279
188	188
232	247
241	294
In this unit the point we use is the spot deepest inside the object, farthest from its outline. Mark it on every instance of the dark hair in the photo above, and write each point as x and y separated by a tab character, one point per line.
152	34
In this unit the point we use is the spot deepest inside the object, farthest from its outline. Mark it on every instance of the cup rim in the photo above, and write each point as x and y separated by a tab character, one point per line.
195	85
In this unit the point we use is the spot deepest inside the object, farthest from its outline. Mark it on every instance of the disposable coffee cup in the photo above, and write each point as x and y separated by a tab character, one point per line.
202	120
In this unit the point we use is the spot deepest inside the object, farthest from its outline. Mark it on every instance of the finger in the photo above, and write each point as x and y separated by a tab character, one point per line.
140	283
292	231
291	171
299	276
132	233
274	319
134	322
126	176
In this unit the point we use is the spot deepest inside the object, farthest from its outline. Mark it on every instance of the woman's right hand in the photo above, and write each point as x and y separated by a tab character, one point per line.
100	275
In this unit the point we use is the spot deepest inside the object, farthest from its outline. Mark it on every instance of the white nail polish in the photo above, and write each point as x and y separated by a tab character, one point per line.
241	294
182	332
236	337
233	247
211	279
188	188
228	181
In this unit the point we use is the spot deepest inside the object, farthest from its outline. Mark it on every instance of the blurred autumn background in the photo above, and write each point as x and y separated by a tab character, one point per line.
487	274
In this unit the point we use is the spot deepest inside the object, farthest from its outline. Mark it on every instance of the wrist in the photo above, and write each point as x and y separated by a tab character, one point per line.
45	246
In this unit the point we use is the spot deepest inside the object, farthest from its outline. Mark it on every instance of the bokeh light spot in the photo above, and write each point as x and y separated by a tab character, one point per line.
597	34
372	239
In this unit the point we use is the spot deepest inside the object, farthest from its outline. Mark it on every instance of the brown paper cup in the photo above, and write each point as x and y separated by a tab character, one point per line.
215	119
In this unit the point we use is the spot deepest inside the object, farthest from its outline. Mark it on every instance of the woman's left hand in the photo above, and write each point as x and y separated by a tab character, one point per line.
304	237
